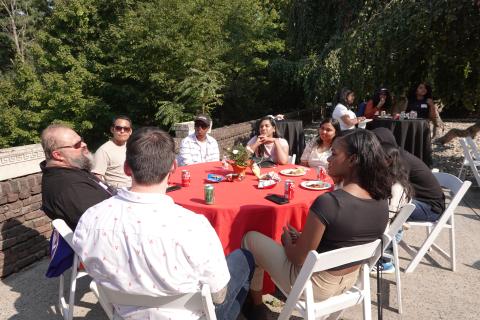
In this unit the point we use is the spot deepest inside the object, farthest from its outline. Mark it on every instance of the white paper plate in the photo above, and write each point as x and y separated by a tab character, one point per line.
366	121
312	185
292	173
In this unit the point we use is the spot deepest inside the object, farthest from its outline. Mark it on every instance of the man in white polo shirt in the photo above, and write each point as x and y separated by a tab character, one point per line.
199	146
141	242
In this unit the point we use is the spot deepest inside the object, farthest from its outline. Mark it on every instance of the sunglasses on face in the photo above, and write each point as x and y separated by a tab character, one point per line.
76	145
120	129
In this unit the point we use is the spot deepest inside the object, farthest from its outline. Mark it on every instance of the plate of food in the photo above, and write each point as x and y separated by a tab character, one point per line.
315	185
295	172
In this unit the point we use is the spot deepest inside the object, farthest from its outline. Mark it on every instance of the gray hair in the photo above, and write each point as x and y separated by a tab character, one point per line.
49	139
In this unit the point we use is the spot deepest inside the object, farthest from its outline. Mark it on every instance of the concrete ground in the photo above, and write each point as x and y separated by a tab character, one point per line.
431	292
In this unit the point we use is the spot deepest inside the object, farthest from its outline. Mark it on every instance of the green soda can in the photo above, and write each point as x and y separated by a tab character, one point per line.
209	194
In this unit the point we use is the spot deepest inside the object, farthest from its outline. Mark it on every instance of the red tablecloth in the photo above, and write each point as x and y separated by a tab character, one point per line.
240	206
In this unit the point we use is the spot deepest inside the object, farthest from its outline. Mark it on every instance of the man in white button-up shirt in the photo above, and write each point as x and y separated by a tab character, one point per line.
141	242
199	146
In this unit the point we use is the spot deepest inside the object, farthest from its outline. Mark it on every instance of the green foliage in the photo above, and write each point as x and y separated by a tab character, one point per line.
239	155
161	61
392	43
157	61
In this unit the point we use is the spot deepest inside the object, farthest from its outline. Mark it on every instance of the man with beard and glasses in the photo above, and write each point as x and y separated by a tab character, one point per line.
68	186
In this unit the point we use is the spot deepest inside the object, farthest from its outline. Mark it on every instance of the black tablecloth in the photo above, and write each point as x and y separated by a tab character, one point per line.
411	134
292	131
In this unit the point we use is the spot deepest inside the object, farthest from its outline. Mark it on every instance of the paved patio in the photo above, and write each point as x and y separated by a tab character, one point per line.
431	292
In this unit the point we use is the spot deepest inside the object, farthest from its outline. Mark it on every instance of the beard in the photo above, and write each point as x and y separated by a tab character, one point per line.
83	161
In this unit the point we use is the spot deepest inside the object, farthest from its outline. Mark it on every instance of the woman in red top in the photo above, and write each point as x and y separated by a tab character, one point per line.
382	101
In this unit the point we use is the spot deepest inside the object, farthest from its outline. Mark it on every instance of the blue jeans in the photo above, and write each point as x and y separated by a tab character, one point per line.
423	212
240	265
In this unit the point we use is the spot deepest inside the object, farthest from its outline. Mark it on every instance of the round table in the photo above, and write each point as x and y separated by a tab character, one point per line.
240	206
413	135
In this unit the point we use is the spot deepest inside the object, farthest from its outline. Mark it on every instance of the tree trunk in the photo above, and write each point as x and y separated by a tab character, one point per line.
458	133
11	8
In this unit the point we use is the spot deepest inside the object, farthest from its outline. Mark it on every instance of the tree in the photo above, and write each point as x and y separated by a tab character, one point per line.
392	43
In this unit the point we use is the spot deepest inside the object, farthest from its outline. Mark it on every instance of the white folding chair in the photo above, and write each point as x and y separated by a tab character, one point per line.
315	262
446	221
471	158
67	309
391	231
292	158
198	301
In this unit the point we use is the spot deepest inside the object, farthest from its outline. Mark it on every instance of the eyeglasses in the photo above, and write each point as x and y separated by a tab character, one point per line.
120	129
76	145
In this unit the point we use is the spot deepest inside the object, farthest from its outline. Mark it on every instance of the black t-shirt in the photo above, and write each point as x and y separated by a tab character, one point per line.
349	221
425	185
68	192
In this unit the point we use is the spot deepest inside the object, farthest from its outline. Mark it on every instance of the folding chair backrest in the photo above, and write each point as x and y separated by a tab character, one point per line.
196	301
316	262
191	301
335	258
400	219
292	158
452	183
64	230
473	147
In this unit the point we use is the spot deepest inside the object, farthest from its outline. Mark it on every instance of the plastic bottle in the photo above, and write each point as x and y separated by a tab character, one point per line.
225	162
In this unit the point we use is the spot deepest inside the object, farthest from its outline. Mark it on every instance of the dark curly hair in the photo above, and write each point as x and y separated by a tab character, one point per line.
388	100
397	168
412	93
371	164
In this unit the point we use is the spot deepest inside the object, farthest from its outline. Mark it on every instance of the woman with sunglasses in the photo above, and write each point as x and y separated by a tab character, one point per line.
110	157
268	144
354	215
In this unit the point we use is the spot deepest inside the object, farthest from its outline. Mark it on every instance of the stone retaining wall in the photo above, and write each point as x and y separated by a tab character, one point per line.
25	229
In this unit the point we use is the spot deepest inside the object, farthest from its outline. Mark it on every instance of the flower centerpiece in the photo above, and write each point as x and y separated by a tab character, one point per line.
239	158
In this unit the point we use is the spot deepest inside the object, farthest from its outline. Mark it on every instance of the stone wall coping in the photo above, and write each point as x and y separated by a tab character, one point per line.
20	161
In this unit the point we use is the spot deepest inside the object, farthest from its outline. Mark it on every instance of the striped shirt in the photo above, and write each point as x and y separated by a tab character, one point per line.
194	151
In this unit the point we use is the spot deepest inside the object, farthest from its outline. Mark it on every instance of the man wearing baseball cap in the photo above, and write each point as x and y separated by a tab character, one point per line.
199	146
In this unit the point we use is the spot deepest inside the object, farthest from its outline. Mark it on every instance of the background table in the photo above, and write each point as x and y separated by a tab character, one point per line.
292	131
411	134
